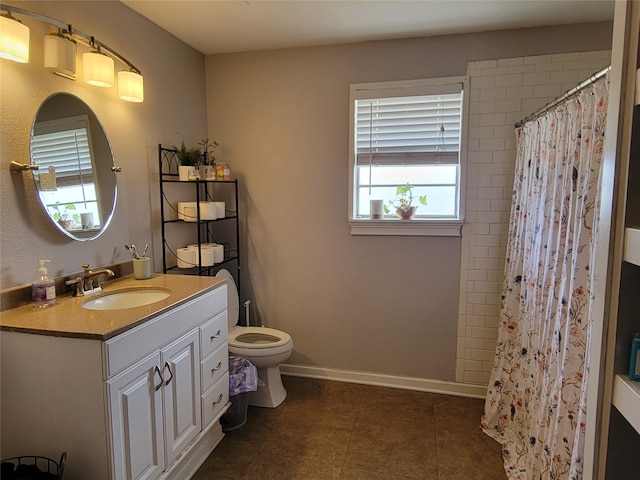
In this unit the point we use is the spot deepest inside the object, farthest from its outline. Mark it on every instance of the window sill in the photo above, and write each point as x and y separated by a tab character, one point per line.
415	227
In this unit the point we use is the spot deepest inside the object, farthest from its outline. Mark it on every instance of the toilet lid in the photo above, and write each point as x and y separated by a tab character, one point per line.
233	304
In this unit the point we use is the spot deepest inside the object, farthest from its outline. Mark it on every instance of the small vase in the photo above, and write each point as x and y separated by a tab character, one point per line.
207	172
406	214
186	172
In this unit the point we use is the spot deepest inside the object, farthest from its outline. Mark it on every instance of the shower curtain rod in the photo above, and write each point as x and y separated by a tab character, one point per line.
570	93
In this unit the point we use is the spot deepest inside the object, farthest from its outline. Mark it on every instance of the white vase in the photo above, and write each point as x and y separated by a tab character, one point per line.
186	172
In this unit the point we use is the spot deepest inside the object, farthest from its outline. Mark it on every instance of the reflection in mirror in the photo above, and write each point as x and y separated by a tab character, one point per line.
76	185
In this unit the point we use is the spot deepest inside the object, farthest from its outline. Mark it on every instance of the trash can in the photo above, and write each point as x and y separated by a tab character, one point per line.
243	378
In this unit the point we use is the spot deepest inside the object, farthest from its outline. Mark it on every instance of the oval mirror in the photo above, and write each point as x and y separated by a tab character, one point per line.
75	181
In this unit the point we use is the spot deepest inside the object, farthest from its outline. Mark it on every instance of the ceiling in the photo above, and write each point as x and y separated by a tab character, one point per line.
221	26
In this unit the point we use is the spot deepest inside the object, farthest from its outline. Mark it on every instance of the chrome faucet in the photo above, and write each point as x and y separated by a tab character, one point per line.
90	282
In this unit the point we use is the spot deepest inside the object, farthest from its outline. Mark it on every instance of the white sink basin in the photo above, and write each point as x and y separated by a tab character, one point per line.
126	299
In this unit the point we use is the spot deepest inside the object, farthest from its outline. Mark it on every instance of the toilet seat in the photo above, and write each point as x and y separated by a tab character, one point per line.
257	337
253	338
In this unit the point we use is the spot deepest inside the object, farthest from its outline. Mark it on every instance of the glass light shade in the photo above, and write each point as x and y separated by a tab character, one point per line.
60	55
14	40
97	69
130	86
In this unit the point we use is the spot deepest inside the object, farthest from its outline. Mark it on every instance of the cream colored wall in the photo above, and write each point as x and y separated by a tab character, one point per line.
173	109
387	305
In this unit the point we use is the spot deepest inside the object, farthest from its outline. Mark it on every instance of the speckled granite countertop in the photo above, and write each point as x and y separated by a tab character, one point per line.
67	318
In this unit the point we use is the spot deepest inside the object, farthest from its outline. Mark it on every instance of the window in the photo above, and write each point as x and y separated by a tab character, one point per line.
62	147
407	132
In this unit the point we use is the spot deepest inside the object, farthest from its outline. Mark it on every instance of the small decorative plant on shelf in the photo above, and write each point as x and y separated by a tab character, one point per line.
208	168
403	202
208	151
188	156
65	215
189	159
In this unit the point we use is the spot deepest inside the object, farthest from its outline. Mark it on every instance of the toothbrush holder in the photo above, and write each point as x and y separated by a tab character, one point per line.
142	268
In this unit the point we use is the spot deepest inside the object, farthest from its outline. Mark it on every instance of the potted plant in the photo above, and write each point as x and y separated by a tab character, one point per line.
207	169
402	203
65	215
189	159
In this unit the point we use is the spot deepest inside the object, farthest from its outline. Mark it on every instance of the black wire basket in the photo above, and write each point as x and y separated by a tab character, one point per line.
32	467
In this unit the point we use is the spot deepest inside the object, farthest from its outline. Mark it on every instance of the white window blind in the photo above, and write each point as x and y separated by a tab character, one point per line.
420	129
63	144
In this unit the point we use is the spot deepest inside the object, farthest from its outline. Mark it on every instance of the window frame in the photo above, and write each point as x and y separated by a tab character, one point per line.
416	226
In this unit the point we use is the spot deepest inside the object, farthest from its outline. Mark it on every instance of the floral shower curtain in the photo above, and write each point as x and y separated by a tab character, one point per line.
536	401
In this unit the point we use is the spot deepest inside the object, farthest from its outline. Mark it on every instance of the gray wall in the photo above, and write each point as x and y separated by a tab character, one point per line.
387	305
173	109
376	304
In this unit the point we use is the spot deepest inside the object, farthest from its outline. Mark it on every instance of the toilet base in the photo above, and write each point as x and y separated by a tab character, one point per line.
272	393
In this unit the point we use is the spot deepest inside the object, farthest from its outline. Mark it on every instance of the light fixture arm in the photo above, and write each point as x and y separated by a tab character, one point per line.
75	34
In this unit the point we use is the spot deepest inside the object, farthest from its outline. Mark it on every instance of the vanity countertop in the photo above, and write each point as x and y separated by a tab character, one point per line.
67	318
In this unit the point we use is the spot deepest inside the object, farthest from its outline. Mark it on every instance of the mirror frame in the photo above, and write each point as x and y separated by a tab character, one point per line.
104	171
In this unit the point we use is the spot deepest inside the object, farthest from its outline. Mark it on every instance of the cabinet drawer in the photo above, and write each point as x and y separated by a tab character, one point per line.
213	334
215	400
125	349
214	366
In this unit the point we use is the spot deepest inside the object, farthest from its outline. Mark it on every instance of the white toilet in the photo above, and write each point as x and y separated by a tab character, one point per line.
266	348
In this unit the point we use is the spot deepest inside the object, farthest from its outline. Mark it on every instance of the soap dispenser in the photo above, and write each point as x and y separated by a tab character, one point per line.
43	290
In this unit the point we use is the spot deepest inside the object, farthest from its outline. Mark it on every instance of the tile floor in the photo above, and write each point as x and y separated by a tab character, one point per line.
342	431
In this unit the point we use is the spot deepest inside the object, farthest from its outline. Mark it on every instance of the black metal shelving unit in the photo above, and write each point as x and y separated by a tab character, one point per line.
225	231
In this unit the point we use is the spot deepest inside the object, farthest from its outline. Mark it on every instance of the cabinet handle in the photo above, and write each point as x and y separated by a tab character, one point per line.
213	337
220	397
168	367
157	370
218	367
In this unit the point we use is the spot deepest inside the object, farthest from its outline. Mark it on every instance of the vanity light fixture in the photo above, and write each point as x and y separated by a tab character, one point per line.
130	86
60	54
97	68
14	39
60	48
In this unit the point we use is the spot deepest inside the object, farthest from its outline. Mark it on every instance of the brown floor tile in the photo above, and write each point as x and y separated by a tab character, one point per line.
399	449
305	436
339	398
228	463
339	431
359	474
280	467
472	456
251	436
397	407
458	413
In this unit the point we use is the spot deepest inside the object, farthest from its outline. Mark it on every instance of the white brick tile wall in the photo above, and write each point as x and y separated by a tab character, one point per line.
502	92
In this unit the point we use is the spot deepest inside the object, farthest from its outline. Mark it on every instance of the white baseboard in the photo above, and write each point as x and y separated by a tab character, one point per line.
383	380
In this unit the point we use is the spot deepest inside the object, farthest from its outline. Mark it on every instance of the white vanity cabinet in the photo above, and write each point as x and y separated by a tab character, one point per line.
164	385
139	405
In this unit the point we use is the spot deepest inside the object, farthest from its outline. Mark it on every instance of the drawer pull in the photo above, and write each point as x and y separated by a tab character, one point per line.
217	335
218	367
220	397
157	370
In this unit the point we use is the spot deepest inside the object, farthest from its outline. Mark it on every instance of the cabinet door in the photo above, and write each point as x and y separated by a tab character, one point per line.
181	373
135	407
